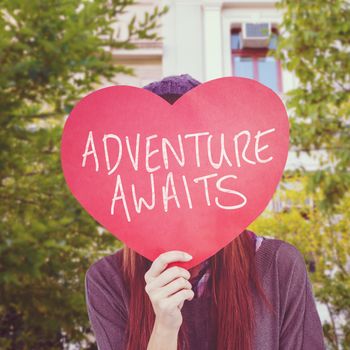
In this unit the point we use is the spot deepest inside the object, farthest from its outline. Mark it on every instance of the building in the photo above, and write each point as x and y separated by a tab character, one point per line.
210	39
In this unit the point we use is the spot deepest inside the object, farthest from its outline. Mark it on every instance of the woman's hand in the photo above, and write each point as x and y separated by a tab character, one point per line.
168	288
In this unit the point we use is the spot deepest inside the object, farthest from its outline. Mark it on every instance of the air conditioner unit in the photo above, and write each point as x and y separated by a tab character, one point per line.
255	35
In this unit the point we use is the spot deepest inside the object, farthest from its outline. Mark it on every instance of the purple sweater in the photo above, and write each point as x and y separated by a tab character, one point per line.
285	280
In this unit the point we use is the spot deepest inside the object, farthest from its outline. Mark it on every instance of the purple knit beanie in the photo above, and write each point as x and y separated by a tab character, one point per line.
172	87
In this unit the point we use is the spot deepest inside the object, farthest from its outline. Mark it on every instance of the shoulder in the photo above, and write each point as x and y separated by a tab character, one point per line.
105	275
277	249
106	266
279	258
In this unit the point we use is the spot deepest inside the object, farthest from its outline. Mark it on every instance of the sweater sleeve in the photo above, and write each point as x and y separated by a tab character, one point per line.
106	307
300	325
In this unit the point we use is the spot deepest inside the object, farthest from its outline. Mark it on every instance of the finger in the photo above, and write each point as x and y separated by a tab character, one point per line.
168	276
161	262
173	287
176	299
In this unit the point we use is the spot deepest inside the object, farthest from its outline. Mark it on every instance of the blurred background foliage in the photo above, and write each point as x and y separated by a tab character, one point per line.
51	54
315	45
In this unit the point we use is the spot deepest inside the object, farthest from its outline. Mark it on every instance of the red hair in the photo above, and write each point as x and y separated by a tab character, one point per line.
234	280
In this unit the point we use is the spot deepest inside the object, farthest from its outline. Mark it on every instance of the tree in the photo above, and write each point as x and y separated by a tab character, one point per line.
314	44
51	54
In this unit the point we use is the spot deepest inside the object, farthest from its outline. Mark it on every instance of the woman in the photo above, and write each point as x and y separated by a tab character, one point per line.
252	294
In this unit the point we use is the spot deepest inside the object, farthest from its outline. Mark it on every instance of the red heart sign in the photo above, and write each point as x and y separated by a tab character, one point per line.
189	176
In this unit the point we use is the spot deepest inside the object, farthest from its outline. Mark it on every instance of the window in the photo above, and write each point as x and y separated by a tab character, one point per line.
254	63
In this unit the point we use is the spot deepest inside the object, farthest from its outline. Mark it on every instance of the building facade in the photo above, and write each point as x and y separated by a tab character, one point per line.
202	38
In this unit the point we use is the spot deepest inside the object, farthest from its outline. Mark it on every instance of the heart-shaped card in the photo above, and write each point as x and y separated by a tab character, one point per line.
189	176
